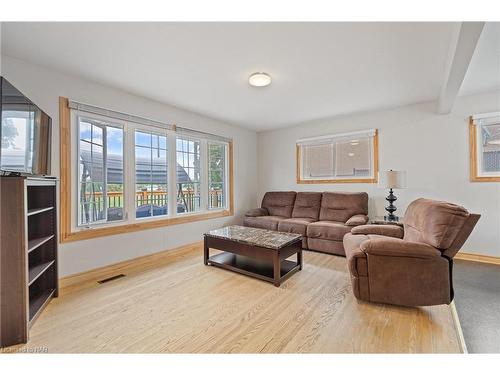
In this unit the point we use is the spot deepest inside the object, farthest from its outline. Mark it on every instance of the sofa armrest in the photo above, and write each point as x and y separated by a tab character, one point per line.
257	212
388	230
357	220
399	248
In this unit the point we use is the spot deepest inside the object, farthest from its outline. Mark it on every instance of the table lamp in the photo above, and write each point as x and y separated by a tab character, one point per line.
391	180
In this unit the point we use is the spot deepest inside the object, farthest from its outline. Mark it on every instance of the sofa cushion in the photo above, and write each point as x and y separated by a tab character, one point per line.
328	230
279	203
257	212
294	225
264	222
307	205
389	230
342	206
325	246
358	219
433	222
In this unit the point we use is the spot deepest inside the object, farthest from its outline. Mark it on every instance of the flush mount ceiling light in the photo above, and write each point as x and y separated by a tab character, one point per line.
259	79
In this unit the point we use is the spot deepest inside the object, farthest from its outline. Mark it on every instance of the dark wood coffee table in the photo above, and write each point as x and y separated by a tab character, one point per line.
255	252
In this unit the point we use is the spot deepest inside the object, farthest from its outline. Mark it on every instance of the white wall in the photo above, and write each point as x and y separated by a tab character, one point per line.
44	87
432	148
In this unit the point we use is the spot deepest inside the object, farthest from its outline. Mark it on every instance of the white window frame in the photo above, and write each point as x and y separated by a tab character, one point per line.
226	173
333	139
129	179
203	173
76	118
131	171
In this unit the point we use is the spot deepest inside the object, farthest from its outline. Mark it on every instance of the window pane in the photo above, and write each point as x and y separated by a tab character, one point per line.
160	201
96	135
100	172
114	174
216	175
163	143
97	162
188	175
142	139
318	161
85	146
151	197
86	131
353	158
490	148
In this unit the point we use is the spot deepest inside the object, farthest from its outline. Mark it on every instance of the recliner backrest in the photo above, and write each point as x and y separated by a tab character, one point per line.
279	203
307	205
342	206
435	223
465	232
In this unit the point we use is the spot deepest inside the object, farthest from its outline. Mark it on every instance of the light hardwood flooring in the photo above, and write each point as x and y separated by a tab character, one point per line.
172	303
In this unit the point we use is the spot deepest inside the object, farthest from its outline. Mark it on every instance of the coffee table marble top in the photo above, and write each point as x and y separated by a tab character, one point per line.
255	236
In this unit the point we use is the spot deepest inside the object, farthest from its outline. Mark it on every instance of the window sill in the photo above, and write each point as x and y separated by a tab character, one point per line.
139	226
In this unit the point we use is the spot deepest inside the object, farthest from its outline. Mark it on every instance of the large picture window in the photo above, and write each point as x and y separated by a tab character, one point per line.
337	158
484	132
122	173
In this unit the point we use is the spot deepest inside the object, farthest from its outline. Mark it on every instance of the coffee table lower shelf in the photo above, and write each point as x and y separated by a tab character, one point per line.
259	269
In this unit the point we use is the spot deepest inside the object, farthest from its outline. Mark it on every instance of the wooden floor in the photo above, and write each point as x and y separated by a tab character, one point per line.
172	303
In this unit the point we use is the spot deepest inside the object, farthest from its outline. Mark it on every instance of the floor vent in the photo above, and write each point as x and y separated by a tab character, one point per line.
111	278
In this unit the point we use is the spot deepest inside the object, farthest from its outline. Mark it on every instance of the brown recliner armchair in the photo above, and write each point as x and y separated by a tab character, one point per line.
410	265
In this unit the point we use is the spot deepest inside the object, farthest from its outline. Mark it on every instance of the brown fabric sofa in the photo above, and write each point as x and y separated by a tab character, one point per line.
410	266
321	218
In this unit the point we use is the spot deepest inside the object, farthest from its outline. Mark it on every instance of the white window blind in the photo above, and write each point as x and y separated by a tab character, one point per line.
344	156
77	106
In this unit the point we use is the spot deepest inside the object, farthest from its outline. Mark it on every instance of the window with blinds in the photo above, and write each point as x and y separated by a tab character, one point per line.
347	157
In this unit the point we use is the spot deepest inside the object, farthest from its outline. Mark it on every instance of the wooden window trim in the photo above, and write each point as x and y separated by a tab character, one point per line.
342	180
473	156
66	233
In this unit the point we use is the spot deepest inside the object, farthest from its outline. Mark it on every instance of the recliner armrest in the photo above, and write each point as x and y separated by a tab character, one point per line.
388	230
399	248
357	220
257	212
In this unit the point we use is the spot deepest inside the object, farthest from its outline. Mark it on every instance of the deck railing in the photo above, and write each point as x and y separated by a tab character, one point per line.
187	197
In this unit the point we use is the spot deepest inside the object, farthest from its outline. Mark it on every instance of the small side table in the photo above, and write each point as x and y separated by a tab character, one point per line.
380	220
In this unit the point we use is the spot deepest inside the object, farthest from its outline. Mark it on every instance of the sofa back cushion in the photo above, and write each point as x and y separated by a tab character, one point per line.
307	205
279	203
433	222
342	206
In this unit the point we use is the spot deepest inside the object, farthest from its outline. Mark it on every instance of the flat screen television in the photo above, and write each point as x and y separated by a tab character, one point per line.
25	134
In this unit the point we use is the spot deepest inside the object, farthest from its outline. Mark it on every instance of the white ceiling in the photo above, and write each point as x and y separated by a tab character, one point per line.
484	70
318	69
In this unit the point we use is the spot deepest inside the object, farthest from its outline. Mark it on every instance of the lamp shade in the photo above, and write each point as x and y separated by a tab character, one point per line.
392	179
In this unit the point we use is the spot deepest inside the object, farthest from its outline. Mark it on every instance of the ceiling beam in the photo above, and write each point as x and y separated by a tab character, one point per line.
463	45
